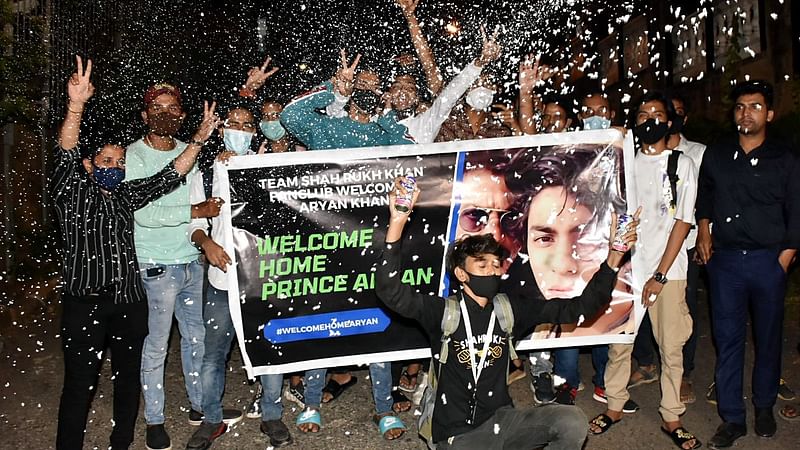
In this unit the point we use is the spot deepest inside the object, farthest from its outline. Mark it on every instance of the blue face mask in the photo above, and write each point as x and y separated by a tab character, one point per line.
596	123
272	129
237	141
108	178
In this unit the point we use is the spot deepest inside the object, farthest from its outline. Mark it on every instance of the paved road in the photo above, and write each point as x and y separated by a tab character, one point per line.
31	372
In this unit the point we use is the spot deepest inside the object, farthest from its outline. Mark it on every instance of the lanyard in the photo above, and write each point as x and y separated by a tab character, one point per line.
476	368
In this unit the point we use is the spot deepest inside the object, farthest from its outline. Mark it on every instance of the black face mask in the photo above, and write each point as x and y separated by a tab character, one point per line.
486	286
651	132
367	101
677	124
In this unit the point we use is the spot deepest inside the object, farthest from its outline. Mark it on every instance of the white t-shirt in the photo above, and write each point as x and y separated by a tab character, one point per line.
694	150
654	195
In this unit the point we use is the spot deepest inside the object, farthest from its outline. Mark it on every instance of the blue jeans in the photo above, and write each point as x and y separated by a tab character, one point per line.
741	281
380	374
271	405
178	290
219	336
566	365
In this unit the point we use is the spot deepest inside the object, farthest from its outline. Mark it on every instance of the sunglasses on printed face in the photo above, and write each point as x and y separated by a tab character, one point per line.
475	220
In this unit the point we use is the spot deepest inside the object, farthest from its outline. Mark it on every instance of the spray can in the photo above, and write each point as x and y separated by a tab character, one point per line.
403	201
623	220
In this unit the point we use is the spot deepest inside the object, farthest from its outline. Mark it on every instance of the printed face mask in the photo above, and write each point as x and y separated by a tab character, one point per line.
237	141
486	286
108	178
480	98
164	124
596	123
272	129
651	131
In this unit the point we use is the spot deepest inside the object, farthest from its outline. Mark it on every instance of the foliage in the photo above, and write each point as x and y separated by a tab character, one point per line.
22	60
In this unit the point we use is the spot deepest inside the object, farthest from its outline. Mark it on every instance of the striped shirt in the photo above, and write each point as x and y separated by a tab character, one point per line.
97	228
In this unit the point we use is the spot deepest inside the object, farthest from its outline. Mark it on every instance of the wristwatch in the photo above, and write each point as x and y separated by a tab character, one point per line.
660	277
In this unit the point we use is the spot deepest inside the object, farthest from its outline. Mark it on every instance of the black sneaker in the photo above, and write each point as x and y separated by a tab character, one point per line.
296	394
229	417
785	392
254	410
278	433
542	387
630	407
206	434
157	438
195	417
565	394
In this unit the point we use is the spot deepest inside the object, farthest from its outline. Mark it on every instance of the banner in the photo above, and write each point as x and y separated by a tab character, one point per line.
305	231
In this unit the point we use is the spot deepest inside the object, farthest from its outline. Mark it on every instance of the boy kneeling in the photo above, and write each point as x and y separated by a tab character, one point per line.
472	406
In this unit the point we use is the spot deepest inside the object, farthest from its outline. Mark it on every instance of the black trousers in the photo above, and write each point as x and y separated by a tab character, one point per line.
88	325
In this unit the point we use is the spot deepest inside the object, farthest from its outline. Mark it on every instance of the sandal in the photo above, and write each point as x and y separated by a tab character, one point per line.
336	389
642	376
309	415
399	399
410	381
789	413
681	436
687	391
389	422
603	422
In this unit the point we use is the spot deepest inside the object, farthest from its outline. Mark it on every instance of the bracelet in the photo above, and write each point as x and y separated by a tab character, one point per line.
197	142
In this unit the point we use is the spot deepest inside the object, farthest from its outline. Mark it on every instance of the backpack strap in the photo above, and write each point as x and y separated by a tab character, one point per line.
505	315
672	174
450	321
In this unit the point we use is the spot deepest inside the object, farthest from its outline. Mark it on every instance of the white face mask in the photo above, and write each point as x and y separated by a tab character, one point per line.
237	141
480	98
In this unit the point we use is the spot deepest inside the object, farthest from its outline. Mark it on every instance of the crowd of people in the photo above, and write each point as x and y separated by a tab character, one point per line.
144	243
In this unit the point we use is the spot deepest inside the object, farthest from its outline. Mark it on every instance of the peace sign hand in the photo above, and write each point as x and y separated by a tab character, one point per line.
407	6
343	81
79	87
210	122
491	49
256	76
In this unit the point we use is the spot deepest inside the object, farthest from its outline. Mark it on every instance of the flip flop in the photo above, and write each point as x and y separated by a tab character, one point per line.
309	415
398	398
681	436
603	422
390	422
789	413
412	380
336	389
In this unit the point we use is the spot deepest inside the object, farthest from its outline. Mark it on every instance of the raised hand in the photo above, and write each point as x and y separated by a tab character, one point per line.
343	81
79	87
256	76
210	122
407	6
529	74
491	49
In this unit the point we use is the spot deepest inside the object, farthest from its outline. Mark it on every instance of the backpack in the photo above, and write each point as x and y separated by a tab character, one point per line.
672	174
450	321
